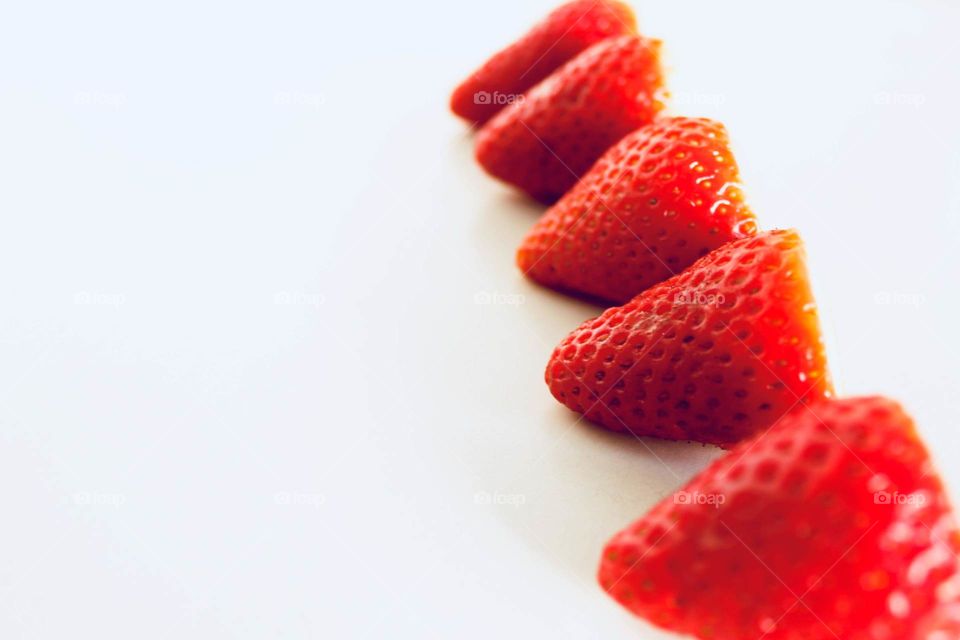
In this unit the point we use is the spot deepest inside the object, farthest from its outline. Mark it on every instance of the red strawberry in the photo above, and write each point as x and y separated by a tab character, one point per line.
564	33
545	142
833	524
664	196
714	354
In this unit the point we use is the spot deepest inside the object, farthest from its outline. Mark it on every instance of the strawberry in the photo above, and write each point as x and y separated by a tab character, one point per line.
564	33
833	524
545	142
714	354
664	196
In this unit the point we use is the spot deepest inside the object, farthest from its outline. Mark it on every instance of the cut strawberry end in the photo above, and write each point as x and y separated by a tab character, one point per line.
714	354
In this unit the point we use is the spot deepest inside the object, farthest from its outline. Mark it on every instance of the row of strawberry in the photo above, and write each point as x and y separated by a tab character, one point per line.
826	519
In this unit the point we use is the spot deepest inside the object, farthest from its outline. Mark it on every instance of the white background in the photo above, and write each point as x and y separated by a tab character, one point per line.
246	389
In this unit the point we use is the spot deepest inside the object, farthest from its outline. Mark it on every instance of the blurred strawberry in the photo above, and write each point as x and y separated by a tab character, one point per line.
543	143
564	33
833	524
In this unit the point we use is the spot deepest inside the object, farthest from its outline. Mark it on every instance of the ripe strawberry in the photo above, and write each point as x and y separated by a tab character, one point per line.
833	524
564	33
545	142
714	354
664	196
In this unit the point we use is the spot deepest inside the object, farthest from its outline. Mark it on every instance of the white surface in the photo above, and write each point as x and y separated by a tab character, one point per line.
246	390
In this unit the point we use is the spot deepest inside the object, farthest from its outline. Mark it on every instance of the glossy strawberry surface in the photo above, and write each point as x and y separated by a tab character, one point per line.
833	524
715	354
664	196
565	32
546	142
